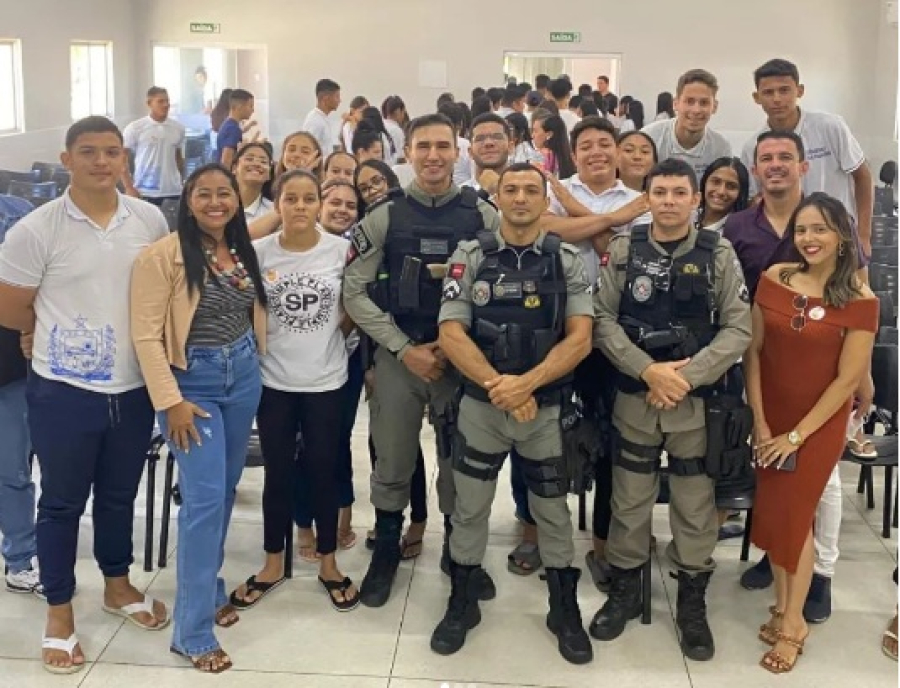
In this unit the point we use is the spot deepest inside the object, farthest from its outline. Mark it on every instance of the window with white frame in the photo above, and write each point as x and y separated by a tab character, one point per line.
10	87
92	79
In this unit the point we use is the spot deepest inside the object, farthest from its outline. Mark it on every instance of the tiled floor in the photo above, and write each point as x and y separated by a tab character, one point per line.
294	638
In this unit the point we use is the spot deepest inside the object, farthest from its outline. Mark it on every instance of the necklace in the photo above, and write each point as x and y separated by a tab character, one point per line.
238	277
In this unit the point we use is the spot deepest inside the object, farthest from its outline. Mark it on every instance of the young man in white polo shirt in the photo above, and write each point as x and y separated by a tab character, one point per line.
837	164
688	137
64	276
156	142
317	123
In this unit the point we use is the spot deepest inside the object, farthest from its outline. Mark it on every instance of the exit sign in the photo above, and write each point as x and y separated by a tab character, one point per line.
565	37
205	27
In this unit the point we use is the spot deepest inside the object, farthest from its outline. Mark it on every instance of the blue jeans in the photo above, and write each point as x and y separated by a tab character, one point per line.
344	466
224	382
16	485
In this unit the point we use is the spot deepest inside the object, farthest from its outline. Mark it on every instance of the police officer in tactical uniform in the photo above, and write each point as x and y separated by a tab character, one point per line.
392	291
673	316
516	319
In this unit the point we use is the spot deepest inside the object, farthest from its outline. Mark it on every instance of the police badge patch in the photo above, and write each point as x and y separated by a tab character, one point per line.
744	293
642	289
452	290
481	293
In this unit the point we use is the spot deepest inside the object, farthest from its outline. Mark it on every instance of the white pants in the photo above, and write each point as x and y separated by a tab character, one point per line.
828	525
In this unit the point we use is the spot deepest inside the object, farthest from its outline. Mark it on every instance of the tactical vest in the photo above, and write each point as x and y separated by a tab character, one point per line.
518	309
419	236
668	306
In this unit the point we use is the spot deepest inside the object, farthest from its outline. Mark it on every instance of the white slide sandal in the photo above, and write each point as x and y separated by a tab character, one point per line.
129	610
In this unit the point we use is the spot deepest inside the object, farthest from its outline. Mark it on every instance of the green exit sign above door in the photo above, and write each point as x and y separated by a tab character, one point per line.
205	27
565	37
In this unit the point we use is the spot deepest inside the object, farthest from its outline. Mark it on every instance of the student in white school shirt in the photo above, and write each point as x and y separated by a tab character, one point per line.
156	142
592	205
689	137
252	168
837	164
303	370
65	271
317	122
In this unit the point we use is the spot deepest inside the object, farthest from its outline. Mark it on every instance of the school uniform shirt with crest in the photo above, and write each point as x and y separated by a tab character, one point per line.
82	274
306	350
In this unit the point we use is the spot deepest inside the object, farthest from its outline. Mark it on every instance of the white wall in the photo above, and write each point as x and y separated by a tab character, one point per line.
374	49
46	28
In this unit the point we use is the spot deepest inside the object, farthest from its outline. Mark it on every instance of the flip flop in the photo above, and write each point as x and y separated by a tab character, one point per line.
405	545
857	448
223	612
129	610
67	646
526	553
199	660
342	587
347	539
253	585
888	635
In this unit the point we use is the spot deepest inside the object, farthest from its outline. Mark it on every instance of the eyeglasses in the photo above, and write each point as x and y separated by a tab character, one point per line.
499	137
374	184
798	322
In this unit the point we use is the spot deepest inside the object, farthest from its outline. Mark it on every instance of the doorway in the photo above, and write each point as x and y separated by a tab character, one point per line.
581	68
195	77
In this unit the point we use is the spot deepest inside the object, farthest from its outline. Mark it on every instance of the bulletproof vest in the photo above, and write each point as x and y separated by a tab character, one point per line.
668	306
419	236
518	305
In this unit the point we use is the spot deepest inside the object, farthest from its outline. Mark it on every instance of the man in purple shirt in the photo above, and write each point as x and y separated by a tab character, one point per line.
758	237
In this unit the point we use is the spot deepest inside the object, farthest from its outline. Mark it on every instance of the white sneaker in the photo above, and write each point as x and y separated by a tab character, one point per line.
25	582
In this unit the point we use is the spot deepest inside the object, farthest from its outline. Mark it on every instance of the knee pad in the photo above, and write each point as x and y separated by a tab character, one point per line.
473	463
546	478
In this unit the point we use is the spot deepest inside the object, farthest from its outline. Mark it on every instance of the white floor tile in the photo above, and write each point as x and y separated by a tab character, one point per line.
117	676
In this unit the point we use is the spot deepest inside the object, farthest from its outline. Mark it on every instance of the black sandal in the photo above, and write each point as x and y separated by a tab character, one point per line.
341	587
253	586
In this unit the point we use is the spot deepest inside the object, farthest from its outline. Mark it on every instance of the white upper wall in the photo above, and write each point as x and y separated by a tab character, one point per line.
46	28
845	50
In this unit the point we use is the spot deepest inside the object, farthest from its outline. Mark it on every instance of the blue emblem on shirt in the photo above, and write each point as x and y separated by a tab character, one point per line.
82	353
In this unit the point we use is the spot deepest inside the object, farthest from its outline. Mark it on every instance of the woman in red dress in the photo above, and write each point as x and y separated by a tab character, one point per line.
814	326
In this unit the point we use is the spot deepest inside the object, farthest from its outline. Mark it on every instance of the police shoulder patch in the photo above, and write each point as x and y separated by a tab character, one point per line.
361	241
457	270
744	293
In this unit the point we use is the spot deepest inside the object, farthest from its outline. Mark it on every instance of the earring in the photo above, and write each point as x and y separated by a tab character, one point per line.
842	250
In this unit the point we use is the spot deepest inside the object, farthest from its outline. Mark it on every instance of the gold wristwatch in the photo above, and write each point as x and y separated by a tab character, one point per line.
795	438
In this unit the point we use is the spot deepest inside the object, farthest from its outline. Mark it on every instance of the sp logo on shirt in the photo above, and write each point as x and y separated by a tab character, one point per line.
302	303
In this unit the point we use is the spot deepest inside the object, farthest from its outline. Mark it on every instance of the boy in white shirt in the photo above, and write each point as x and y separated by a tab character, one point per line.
837	164
65	271
688	137
317	123
156	142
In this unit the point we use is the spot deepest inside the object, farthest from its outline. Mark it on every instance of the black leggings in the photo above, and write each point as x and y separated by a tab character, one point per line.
317	416
418	487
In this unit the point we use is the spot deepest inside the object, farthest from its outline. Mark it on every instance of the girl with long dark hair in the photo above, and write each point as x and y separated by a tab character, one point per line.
252	167
814	325
637	156
198	322
665	106
552	141
724	189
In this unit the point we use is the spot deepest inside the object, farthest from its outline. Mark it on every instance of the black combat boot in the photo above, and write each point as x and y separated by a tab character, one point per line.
622	605
462	611
564	619
690	616
376	586
484	587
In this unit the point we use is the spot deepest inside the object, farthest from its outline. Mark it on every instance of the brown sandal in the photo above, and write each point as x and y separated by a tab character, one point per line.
776	662
223	613
768	632
205	661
